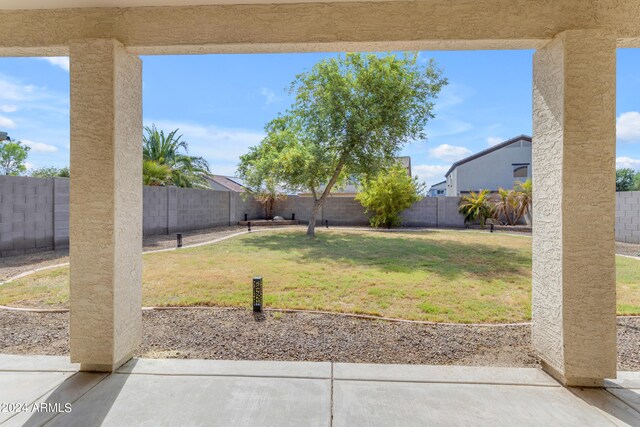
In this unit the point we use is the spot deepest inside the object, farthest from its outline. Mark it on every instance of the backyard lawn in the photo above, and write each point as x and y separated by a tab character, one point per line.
445	276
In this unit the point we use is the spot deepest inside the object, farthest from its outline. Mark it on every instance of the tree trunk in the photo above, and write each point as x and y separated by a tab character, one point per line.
311	229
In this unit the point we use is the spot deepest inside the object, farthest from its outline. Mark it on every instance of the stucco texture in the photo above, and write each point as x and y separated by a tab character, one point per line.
106	204
394	25
573	303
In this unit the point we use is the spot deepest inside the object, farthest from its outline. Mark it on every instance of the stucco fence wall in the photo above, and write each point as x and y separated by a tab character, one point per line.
628	216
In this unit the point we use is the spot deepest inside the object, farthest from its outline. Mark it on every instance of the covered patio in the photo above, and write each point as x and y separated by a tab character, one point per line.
225	393
574	326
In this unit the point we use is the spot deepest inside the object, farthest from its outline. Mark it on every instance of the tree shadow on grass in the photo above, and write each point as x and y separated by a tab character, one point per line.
387	253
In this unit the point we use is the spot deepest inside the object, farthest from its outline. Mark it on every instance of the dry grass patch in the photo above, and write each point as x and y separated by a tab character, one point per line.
444	276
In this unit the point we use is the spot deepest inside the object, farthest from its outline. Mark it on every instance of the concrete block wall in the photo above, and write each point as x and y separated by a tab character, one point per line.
155	210
60	213
422	214
628	216
202	209
26	215
241	205
428	212
34	212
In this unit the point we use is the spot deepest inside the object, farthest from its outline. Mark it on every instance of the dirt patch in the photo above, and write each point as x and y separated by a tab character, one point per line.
236	334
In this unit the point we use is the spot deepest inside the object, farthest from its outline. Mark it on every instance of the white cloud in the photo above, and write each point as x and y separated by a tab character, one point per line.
429	174
494	140
628	126
12	91
29	165
8	108
269	95
6	122
627	162
449	153
221	147
58	61
39	147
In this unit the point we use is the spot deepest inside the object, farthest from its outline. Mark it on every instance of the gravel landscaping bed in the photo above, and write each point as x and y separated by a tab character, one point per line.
630	249
237	334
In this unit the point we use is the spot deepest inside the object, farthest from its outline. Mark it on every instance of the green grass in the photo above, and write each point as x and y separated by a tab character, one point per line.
444	276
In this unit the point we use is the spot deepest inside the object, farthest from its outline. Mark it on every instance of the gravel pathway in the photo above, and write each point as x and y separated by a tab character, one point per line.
236	334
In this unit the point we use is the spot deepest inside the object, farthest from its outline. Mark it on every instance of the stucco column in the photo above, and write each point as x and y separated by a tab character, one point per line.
106	204
574	295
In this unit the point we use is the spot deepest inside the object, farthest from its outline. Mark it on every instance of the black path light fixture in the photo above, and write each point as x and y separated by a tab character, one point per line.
326	223
179	240
249	226
257	294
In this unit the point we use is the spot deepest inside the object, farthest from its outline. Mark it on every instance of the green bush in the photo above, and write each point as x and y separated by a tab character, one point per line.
391	192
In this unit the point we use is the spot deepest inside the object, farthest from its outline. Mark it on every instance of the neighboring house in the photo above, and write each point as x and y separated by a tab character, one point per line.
226	183
3	136
439	189
500	166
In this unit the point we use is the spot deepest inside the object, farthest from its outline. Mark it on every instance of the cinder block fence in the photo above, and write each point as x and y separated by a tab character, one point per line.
34	212
628	216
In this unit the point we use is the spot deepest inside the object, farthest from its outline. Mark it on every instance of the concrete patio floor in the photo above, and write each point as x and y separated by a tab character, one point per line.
172	392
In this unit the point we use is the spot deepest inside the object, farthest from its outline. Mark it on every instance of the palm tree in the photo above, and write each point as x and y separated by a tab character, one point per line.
525	197
186	171
476	206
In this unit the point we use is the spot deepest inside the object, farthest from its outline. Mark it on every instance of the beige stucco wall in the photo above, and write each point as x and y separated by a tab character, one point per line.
106	204
426	24
573	304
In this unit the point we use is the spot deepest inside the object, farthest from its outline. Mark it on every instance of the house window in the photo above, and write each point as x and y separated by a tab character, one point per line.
521	170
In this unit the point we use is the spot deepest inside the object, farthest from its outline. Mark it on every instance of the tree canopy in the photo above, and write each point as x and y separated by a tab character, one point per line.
166	160
13	155
50	172
627	180
351	117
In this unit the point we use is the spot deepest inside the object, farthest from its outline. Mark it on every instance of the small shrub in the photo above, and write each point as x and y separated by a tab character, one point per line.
388	194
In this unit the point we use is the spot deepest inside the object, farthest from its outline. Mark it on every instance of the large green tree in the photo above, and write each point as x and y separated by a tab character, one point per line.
391	192
13	155
351	116
162	151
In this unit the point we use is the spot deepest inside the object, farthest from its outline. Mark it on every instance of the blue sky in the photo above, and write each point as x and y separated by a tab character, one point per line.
221	103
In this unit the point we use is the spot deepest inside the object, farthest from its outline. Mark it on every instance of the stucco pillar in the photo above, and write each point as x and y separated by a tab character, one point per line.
574	295
106	204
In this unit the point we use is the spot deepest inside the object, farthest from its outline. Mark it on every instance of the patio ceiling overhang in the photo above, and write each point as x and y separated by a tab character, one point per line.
201	26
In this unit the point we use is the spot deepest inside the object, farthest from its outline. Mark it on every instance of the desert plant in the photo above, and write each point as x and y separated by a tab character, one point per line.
268	197
476	207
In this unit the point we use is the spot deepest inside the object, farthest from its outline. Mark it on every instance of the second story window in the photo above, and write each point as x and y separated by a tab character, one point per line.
520	170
